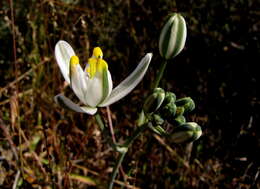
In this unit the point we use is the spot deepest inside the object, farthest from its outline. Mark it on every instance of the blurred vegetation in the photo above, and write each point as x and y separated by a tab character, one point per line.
218	69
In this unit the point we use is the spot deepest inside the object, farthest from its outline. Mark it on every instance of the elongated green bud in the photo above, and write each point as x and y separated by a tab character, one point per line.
173	36
187	103
187	132
154	101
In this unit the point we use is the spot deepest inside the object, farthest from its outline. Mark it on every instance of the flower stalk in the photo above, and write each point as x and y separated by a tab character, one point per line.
100	122
116	168
123	152
160	74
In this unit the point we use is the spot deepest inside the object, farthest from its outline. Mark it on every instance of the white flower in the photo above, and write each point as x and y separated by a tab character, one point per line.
93	86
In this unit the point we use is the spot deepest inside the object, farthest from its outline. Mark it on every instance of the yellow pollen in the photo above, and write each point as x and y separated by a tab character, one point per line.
92	67
97	52
74	60
96	63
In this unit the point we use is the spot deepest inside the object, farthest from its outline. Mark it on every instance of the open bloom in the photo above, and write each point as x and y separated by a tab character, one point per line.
93	85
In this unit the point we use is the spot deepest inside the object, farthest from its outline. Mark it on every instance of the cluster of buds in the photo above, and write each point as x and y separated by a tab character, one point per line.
163	108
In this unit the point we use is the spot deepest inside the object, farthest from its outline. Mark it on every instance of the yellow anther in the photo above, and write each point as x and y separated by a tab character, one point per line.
97	52
102	65
92	67
74	60
96	63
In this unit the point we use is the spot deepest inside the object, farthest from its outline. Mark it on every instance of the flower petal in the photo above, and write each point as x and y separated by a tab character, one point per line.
67	103
78	79
63	52
107	85
95	90
99	87
129	83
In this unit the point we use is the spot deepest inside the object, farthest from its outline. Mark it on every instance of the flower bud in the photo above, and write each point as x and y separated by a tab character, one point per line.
169	98
179	120
155	126
168	111
187	103
179	111
173	36
154	101
168	108
157	120
187	132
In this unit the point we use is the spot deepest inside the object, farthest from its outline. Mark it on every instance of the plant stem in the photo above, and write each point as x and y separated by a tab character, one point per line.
115	169
160	74
127	144
110	124
136	134
99	122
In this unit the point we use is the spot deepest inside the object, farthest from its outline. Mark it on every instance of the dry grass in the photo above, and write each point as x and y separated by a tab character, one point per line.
45	146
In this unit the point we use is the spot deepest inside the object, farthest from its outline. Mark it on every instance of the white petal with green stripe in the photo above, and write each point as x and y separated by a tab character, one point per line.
67	103
107	85
63	53
78	79
173	36
99	87
129	83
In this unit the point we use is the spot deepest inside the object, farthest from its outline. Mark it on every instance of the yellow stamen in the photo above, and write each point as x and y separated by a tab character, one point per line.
92	67
96	63
97	52
102	65
74	60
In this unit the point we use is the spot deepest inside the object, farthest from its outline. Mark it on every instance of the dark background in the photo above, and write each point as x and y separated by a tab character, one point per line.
217	68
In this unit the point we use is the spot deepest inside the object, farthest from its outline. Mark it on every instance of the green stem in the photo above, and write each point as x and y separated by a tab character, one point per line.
115	169
136	134
127	144
160	74
100	122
